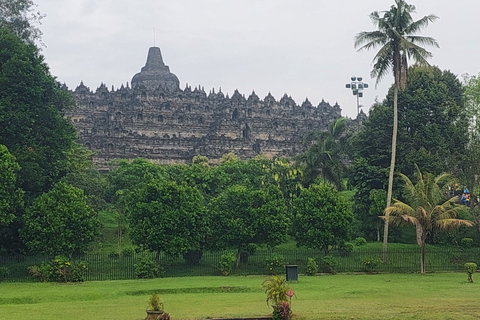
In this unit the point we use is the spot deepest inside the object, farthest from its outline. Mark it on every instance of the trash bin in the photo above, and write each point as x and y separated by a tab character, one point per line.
292	272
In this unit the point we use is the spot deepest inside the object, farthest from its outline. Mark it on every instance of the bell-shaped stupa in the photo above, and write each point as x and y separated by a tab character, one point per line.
155	73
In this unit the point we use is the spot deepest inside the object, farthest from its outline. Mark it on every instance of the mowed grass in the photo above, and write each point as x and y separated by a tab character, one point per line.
383	296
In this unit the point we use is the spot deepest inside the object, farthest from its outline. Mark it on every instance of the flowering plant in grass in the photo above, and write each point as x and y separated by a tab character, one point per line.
279	296
275	264
59	269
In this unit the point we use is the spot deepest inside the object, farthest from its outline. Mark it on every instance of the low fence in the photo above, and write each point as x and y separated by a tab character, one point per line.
122	266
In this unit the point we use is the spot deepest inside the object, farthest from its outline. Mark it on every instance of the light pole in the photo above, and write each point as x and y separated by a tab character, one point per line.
357	87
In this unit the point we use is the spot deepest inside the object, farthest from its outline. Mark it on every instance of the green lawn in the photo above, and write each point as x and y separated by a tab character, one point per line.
384	296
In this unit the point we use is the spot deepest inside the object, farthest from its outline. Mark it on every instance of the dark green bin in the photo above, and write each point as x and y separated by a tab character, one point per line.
291	272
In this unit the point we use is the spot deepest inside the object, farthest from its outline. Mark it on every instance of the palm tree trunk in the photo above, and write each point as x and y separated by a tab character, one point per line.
422	257
392	169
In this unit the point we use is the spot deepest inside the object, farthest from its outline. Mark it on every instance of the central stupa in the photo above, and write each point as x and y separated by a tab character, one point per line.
155	73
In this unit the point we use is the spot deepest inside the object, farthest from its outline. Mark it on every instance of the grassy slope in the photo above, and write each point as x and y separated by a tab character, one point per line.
386	296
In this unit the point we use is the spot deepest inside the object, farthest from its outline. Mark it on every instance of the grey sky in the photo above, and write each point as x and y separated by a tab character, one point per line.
303	48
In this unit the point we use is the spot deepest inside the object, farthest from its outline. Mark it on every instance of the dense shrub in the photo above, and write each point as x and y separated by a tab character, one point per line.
467	242
227	261
372	264
59	269
275	264
471	269
147	268
360	241
312	267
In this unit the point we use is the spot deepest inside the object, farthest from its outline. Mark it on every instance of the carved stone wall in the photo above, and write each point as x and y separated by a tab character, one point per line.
157	120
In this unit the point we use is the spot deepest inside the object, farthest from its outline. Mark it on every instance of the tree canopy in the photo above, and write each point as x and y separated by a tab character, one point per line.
11	198
321	218
60	222
21	18
32	125
166	217
432	133
241	216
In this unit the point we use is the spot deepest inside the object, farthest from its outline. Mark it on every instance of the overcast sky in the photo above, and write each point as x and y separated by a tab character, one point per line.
300	47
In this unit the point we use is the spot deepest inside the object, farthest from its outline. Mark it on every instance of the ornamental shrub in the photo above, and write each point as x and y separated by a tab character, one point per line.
147	268
372	264
282	312
275	264
227	261
312	267
360	241
59	269
467	242
471	268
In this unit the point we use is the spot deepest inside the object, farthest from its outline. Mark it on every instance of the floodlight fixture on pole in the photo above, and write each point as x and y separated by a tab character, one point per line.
357	87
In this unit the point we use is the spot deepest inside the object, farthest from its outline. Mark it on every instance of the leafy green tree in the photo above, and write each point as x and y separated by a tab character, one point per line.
322	218
166	217
60	222
283	173
433	124
126	176
426	207
472	100
241	216
21	18
238	172
208	180
377	199
11	198
396	37
324	155
432	132
83	174
470	167
366	178
32	125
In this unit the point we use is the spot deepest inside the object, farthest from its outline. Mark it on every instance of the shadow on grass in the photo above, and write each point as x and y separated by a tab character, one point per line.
194	290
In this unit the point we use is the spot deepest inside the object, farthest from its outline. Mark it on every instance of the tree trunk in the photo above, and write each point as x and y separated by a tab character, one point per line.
378	231
392	169
239	251
422	257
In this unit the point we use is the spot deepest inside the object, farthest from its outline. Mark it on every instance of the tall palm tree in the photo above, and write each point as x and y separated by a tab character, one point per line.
395	36
427	209
323	156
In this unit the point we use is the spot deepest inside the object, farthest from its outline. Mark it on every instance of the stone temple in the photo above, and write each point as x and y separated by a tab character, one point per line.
155	119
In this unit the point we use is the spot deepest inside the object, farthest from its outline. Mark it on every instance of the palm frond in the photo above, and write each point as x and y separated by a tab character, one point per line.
416	26
399	208
370	40
410	219
446	224
409	188
424	41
